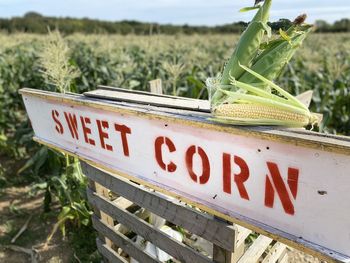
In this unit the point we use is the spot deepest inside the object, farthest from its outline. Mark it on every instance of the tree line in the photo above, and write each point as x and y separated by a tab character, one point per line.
33	22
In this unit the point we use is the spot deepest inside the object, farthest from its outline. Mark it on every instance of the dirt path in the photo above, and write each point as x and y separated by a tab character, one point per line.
16	207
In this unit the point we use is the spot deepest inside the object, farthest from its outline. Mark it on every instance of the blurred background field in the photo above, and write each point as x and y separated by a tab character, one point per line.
38	176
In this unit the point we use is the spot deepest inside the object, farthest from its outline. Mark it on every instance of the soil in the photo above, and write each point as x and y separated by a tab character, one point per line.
16	207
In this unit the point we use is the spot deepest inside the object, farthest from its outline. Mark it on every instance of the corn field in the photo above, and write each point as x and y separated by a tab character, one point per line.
182	62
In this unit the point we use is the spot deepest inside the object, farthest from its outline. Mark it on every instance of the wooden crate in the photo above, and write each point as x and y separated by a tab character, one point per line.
120	207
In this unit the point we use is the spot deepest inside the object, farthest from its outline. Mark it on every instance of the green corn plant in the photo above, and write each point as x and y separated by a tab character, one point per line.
69	186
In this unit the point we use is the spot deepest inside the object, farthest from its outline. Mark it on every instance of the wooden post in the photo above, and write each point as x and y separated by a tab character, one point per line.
221	255
156	86
104	217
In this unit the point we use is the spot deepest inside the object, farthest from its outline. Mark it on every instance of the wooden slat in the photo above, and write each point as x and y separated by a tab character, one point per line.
221	255
110	254
284	259
156	86
103	191
170	102
147	231
275	253
123	202
215	231
141	213
255	251
129	247
102	87
243	233
239	251
156	90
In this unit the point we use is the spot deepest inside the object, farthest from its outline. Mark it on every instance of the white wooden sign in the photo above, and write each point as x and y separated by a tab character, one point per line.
295	193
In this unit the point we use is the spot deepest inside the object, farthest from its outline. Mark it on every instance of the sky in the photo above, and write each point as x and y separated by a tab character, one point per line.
193	12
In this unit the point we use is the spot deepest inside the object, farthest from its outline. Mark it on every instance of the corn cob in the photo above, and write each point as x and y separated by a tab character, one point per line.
255	114
260	107
246	94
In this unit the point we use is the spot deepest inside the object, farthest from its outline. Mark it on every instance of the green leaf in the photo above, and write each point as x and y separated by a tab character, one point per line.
247	9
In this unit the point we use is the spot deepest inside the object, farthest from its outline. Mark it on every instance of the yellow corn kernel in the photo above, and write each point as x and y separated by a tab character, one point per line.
260	112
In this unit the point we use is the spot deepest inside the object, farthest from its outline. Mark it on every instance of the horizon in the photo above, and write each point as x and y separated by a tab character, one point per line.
175	12
152	22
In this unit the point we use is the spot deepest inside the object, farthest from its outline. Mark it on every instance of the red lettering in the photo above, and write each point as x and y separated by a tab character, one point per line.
86	130
226	166
103	135
123	131
171	167
239	179
58	126
205	164
281	188
72	124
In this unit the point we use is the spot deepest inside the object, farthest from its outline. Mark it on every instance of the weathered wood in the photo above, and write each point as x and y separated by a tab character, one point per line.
255	251
171	102
128	246
104	217
102	87
100	189
221	255
126	204
284	259
141	213
156	86
305	97
204	225
243	233
123	202
275	253
146	230
109	253
239	252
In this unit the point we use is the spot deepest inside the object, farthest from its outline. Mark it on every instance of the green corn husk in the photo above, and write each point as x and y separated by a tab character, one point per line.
246	49
246	93
248	45
274	58
261	107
